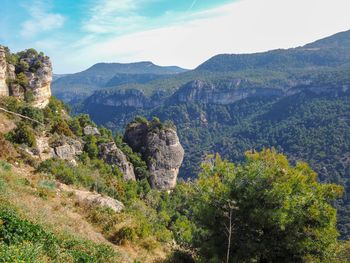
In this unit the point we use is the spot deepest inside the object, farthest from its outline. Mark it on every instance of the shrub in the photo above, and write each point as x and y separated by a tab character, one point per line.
124	235
75	127
90	146
29	96
23	134
61	127
34	113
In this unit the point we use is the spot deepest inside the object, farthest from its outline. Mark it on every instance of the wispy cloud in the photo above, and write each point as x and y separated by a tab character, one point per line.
192	5
111	16
41	19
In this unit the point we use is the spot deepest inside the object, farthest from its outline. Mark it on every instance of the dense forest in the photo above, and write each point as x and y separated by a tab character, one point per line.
263	209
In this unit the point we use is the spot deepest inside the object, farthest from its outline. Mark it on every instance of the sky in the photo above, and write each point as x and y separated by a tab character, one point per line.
79	33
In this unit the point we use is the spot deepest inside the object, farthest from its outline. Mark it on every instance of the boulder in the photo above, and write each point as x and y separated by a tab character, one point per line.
111	154
67	148
162	150
90	130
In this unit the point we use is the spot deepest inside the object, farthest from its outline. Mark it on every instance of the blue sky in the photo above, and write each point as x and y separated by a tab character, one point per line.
77	33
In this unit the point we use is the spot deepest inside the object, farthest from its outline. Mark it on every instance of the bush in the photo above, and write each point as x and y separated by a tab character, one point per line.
90	146
29	96
61	127
34	113
75	127
123	236
23	134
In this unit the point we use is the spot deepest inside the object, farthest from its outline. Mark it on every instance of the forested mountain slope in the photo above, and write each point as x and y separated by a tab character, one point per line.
296	100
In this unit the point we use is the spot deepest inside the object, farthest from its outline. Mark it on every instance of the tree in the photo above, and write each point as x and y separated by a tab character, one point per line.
91	147
22	79
264	210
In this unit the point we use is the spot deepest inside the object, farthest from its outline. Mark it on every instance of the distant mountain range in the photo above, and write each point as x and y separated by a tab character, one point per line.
296	100
75	87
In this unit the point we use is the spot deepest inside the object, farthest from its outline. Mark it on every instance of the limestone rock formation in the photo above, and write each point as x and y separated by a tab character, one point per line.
4	91
225	93
67	148
29	72
111	154
161	149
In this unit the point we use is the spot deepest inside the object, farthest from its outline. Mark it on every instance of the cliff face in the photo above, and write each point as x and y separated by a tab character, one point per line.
161	149
32	73
125	99
4	91
208	93
111	154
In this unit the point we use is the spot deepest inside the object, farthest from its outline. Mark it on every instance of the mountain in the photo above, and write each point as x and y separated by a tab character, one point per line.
80	85
72	191
295	100
329	52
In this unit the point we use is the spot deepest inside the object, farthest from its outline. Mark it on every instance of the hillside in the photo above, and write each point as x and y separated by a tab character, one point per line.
72	191
80	85
234	103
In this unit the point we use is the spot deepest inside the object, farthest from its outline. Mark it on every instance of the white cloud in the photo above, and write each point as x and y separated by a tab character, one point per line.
113	16
242	27
40	20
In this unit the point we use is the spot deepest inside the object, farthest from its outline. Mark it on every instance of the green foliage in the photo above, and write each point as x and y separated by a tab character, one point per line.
23	241
270	210
23	134
74	126
91	147
22	79
84	120
34	113
61	127
67	174
29	96
140	166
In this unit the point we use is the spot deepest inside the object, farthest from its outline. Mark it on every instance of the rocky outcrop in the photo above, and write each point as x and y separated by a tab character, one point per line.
161	149
111	154
36	76
40	83
67	148
4	91
93	199
90	130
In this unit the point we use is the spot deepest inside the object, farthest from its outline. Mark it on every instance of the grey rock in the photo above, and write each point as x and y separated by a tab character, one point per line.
111	154
92	198
90	130
68	149
162	150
